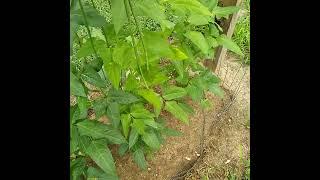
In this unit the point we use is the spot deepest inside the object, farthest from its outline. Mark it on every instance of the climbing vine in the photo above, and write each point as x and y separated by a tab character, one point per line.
144	59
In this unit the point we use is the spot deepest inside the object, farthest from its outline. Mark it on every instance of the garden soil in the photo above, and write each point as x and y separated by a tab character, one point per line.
227	141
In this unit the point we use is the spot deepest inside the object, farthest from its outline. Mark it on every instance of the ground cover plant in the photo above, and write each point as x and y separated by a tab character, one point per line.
143	57
241	35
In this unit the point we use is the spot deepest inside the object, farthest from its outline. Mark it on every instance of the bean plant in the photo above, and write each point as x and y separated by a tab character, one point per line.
142	61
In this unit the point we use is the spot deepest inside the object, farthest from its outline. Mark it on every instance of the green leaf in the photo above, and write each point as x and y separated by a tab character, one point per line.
200	82
139	112
91	76
123	149
97	174
174	92
101	155
194	92
93	17
112	37
74	112
150	138
186	108
191	5
152	9
113	113
198	39
122	97
224	11
133	138
74	138
157	45
139	125
214	31
77	167
83	142
113	71
229	44
211	4
86	48
179	67
205	104
131	83
119	15
215	89
76	87
152	123
96	64
104	53
99	107
176	111
155	75
115	136
125	122
183	80
179	55
153	98
208	77
198	20
92	128
212	42
139	158
123	55
73	29
83	106
98	130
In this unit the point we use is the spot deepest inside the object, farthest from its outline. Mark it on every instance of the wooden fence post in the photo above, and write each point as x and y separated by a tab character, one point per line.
229	28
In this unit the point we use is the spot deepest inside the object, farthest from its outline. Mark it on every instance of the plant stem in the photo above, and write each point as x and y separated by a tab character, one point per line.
87	27
134	46
140	34
94	6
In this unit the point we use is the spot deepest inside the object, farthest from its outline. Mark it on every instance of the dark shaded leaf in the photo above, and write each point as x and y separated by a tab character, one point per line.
113	113
150	138
153	98
101	155
123	149
76	87
77	168
139	158
100	107
174	92
125	122
122	97
133	138
139	125
98	130
176	111
91	76
93	17
97	174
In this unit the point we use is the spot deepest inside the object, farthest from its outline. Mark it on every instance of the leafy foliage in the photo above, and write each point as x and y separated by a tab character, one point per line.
138	72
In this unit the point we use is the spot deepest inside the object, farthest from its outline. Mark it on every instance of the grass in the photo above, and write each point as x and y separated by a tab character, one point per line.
237	170
241	34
